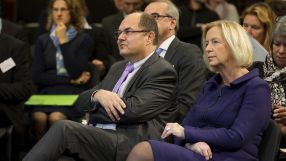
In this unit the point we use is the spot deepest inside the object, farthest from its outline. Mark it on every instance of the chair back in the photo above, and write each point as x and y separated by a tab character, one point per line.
270	143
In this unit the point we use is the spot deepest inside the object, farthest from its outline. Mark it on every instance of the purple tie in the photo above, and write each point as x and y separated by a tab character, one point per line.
128	69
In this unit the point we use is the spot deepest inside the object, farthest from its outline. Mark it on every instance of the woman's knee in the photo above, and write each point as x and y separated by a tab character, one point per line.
136	152
56	116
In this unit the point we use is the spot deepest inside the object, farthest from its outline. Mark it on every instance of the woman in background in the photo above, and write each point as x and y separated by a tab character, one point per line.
231	113
273	70
60	61
258	20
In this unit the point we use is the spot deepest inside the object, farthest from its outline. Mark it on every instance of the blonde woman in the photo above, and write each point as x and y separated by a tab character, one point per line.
231	113
258	20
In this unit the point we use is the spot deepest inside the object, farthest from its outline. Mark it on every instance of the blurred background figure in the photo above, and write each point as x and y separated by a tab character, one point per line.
225	10
258	20
278	7
194	14
60	60
111	23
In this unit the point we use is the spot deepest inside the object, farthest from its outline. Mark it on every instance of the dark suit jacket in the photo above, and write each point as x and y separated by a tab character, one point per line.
14	30
148	98
188	62
109	25
16	83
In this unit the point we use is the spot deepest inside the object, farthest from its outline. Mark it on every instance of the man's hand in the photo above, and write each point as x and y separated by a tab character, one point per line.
174	129
201	148
61	33
111	102
83	79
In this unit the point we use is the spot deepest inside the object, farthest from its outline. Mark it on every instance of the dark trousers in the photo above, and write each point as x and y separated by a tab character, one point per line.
88	143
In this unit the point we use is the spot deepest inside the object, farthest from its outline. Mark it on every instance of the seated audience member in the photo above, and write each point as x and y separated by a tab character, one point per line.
111	23
186	58
231	113
60	60
124	112
15	85
225	10
194	14
273	70
258	20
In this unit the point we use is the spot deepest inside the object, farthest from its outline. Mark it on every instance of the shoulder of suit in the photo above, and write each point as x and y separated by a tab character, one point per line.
10	39
112	18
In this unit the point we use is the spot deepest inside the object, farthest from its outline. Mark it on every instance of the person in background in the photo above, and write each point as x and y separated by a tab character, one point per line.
258	20
186	58
131	104
225	10
111	23
278	7
15	87
216	128
194	14
60	61
273	70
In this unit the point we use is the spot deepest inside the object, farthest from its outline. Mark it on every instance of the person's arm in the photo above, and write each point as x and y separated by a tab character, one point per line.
191	76
256	106
19	87
76	55
152	96
42	73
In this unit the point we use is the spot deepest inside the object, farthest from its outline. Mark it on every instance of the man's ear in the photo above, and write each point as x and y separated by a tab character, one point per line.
173	24
150	38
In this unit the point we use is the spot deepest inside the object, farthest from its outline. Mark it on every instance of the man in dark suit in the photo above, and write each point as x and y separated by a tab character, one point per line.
123	113
15	81
111	23
14	30
186	58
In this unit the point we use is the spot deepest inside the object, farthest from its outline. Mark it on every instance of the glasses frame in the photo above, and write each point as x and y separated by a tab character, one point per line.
156	16
127	32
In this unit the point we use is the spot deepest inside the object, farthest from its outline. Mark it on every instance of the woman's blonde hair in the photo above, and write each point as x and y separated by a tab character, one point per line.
236	39
266	16
76	10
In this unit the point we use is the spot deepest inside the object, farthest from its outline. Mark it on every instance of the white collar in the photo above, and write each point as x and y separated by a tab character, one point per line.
165	45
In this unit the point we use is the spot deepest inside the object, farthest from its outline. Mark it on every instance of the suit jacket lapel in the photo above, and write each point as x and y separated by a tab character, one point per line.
172	49
148	62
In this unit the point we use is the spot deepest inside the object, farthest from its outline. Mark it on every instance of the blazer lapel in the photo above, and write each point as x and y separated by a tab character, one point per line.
170	53
148	62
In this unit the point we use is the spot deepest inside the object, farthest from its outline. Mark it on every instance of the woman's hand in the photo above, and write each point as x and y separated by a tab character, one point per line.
201	148
83	79
61	33
279	113
174	129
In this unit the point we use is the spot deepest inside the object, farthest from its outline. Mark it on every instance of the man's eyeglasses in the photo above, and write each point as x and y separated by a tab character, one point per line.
127	32
55	10
156	16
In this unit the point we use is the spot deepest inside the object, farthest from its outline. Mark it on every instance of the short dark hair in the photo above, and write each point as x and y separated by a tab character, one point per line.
147	22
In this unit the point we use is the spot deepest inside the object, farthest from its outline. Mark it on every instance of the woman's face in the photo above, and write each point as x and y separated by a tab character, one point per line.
217	52
61	12
279	51
254	27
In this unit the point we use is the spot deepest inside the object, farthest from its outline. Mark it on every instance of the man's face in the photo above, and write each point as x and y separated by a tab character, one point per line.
165	24
130	6
131	38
